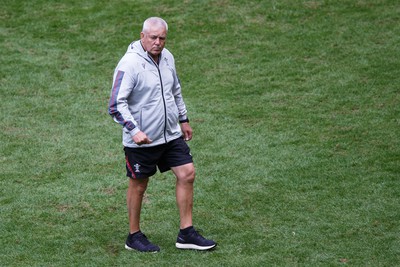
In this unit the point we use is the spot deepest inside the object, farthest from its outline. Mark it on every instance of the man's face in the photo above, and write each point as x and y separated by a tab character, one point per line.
153	40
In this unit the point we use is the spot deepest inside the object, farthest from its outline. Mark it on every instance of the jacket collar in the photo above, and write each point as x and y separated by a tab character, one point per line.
148	54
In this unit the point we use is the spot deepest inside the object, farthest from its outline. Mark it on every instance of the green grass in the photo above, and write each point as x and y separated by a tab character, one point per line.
295	107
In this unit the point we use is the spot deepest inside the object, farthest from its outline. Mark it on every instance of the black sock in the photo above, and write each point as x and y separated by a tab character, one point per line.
186	230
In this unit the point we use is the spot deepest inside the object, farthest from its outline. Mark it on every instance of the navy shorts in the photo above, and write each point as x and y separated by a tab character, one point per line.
142	162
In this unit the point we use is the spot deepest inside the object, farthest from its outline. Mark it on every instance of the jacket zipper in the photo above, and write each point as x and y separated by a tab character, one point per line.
163	98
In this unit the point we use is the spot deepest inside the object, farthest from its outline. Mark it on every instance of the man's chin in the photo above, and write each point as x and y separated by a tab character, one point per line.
156	52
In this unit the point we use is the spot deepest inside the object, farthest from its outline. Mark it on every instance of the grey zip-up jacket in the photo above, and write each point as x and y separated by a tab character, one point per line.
147	97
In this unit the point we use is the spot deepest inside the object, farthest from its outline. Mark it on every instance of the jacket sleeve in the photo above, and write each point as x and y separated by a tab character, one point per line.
118	105
178	97
179	101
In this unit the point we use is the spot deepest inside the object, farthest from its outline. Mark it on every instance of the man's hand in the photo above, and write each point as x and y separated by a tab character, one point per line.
141	138
187	131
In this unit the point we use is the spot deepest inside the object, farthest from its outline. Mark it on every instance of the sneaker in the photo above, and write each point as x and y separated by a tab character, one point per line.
138	241
193	240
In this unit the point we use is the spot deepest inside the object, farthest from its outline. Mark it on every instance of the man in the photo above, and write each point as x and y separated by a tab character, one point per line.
146	100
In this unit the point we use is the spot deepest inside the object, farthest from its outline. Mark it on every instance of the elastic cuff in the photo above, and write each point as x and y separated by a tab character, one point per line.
134	131
185	120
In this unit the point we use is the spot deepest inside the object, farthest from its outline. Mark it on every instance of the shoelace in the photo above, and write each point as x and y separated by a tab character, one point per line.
142	239
195	233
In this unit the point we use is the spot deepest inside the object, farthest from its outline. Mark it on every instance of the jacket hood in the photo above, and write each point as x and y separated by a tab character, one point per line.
137	48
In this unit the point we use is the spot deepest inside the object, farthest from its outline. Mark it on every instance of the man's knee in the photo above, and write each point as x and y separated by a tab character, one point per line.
185	173
138	186
190	176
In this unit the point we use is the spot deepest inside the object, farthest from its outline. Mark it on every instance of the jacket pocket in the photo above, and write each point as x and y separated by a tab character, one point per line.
173	118
152	121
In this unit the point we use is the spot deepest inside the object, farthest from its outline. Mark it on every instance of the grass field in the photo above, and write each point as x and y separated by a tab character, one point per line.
295	107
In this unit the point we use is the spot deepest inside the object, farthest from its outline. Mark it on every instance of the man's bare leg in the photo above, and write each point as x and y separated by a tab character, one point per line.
134	198
185	176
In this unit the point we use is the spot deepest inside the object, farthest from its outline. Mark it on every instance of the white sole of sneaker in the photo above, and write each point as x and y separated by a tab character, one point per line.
192	246
129	248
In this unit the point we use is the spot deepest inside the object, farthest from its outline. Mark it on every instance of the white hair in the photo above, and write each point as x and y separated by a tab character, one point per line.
152	21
